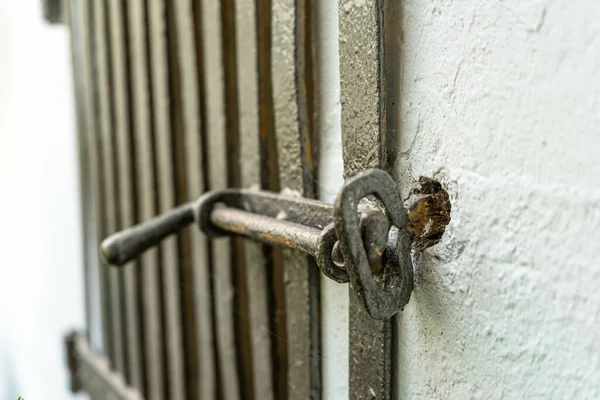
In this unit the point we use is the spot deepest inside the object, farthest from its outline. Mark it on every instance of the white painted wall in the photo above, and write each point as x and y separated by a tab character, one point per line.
500	101
40	238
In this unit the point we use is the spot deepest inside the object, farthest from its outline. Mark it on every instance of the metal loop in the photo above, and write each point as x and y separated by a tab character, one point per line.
380	301
326	242
204	206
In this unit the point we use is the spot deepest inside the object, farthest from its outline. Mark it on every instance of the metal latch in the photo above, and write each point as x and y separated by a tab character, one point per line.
352	243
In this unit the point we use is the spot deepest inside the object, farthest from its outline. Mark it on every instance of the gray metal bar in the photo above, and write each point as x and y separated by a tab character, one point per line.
216	147
363	128
96	172
271	204
255	261
239	281
303	59
125	160
201	361
179	159
110	200
75	19
124	246
268	230
269	180
146	196
129	243
170	280
291	126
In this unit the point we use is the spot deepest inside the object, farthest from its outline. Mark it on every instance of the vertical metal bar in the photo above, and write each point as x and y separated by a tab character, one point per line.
269	180
296	170
172	323
238	261
363	127
390	26
146	196
181	184
258	299
97	170
210	376
105	96
75	21
201	337
309	156
214	118
125	161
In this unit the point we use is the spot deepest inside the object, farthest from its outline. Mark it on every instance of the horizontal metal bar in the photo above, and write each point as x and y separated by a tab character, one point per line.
266	229
285	206
91	372
272	218
122	247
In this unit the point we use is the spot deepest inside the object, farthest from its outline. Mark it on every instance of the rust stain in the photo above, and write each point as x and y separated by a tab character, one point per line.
279	240
239	229
428	213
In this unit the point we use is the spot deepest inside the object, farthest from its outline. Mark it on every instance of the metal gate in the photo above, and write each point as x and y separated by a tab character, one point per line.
178	98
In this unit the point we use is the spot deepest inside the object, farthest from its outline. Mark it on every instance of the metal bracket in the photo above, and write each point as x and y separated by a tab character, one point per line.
54	11
350	242
90	372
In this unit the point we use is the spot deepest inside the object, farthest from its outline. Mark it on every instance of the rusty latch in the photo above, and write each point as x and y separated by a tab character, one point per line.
352	243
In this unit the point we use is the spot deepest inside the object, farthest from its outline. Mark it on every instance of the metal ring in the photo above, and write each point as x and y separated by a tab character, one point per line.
204	206
381	301
325	245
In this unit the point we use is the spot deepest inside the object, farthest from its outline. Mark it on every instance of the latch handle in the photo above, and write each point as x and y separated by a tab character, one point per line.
360	242
120	248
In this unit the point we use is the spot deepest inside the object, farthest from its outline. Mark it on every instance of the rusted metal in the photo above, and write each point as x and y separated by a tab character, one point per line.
267	230
428	213
91	373
304	324
376	253
269	180
364	139
257	266
384	297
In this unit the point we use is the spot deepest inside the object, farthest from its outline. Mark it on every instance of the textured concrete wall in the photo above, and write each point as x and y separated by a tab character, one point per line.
499	101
